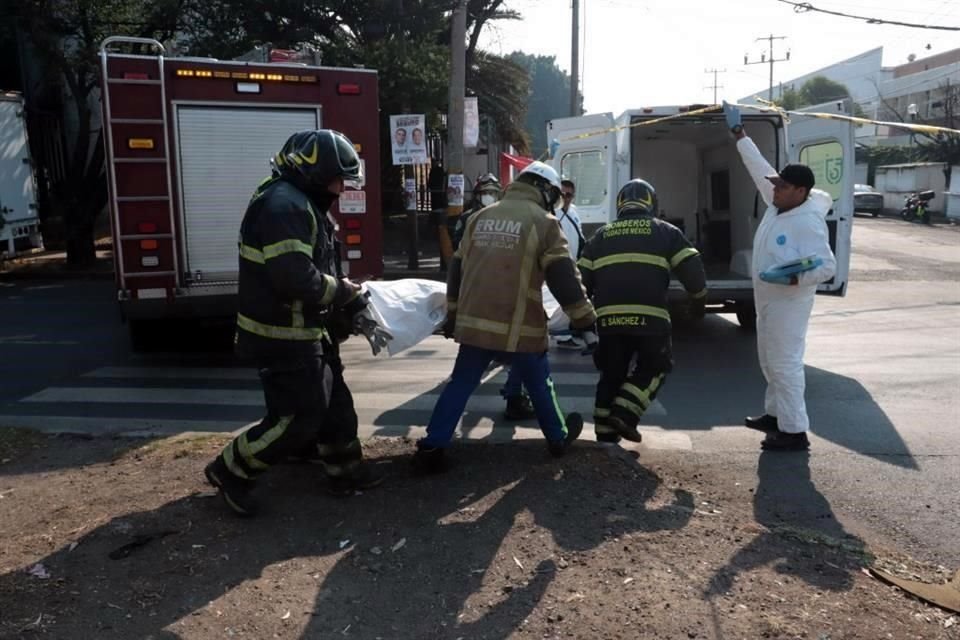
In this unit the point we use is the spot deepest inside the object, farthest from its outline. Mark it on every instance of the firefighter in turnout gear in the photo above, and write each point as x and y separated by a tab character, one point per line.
291	290
495	308
626	269
486	191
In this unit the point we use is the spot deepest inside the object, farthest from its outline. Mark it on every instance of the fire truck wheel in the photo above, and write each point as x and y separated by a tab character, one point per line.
143	333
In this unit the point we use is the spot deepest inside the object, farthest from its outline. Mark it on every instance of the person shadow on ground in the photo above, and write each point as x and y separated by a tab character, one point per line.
790	510
409	559
518	522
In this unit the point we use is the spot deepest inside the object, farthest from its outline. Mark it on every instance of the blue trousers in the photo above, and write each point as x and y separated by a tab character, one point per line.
533	370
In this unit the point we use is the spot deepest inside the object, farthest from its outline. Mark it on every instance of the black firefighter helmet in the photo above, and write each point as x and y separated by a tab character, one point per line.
317	157
637	196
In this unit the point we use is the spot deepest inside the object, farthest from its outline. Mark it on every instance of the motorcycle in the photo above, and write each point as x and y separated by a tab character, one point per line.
915	207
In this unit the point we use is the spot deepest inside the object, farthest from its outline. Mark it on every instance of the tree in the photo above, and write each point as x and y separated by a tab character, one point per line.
932	147
817	90
820	89
64	36
790	100
549	95
503	88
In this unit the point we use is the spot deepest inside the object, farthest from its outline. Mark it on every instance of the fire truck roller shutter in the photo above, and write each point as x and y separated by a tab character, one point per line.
223	153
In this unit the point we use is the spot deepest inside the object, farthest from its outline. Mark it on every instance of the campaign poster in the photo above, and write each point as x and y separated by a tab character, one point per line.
408	139
471	122
410	194
455	184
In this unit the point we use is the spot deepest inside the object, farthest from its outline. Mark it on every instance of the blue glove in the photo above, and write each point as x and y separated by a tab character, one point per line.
554	146
787	280
791	268
732	114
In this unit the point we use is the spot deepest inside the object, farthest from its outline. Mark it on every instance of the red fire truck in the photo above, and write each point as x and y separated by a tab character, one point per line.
188	140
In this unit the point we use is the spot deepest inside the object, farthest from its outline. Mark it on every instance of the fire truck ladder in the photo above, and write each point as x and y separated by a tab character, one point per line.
130	86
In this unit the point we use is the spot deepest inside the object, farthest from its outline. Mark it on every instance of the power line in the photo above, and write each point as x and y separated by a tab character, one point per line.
714	86
804	7
763	58
575	60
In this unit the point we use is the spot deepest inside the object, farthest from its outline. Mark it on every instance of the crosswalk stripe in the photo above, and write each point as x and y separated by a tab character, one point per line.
134	395
653	437
353	375
365	402
174	373
125	426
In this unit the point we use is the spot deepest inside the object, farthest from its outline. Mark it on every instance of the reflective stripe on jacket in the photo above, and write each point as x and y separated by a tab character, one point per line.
626	268
496	276
288	273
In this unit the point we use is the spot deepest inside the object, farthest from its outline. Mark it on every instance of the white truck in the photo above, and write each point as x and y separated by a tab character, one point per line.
702	186
19	222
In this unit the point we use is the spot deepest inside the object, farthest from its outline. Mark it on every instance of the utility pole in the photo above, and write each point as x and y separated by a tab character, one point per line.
458	81
764	56
413	237
714	86
575	62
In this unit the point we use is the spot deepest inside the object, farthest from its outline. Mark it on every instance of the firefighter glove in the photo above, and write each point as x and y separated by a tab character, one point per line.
378	337
732	114
449	325
347	294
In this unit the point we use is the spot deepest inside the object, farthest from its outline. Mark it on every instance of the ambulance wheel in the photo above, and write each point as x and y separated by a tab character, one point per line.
747	317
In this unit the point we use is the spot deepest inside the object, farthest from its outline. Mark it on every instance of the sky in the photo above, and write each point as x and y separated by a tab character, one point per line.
638	53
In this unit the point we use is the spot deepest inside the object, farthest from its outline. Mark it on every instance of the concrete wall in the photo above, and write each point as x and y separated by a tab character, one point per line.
896	181
860	173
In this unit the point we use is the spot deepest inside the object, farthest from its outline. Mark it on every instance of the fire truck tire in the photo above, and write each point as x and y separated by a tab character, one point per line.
143	334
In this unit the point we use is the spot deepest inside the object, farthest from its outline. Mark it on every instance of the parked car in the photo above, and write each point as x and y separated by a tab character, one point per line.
866	199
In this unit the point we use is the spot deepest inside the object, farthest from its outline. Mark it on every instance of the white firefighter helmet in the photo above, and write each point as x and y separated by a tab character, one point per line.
543	170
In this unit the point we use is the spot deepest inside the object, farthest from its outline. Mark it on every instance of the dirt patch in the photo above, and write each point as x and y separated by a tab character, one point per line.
128	543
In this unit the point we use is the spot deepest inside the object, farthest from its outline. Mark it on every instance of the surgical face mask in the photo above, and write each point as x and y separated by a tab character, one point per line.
487	199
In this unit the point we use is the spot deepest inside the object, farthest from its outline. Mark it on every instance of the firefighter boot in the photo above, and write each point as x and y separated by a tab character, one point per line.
234	491
574	429
622	428
428	461
519	408
604	432
361	478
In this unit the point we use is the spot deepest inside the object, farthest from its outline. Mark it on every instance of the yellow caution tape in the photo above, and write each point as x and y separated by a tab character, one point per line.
920	128
768	107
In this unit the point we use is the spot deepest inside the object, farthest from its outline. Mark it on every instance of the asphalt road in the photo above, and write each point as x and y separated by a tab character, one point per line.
883	376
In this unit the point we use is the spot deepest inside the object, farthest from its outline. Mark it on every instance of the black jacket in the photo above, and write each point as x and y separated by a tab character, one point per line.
289	276
626	270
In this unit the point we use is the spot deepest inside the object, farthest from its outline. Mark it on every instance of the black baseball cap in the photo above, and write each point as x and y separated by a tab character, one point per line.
798	175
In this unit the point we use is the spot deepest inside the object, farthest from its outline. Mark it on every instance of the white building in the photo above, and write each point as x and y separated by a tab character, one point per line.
916	90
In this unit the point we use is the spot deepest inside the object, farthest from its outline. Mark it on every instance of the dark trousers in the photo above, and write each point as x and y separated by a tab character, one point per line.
632	370
308	406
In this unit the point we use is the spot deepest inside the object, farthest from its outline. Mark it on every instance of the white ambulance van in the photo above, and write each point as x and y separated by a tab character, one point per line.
702	185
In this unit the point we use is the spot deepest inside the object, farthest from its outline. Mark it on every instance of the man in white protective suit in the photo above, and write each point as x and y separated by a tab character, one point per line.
793	230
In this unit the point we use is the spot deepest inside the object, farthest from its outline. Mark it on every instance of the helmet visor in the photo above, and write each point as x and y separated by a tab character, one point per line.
350	165
356	180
